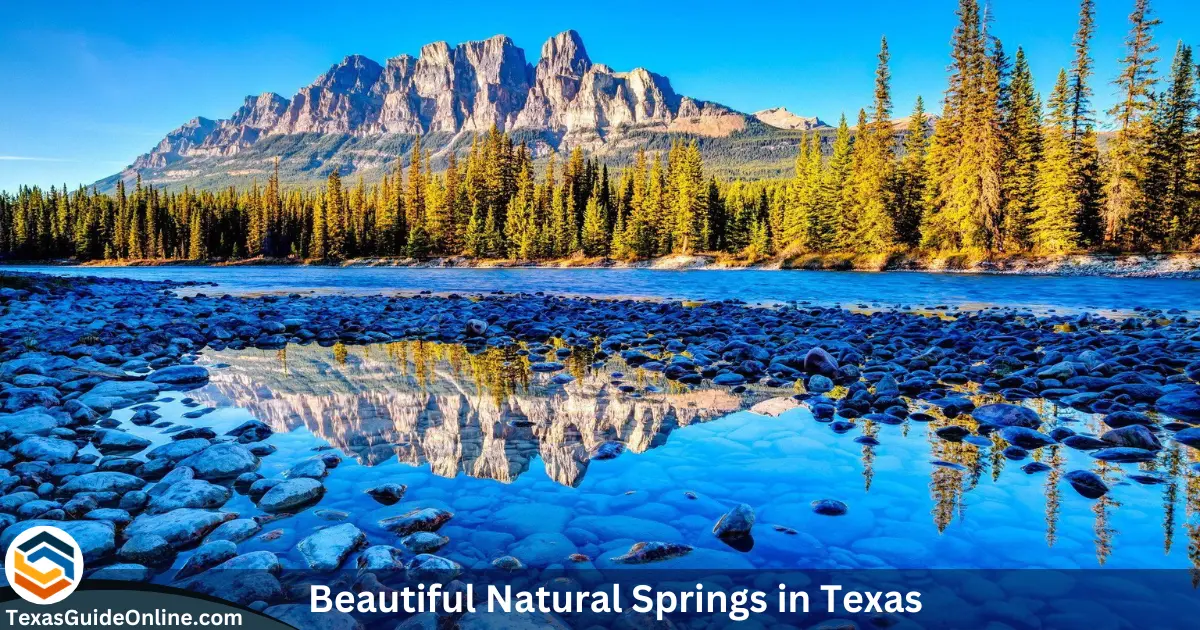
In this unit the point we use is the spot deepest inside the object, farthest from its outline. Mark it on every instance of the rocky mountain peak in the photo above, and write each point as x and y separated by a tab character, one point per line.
355	73
781	118
564	54
566	100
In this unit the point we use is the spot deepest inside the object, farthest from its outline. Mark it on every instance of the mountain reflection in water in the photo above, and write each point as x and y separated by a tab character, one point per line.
484	415
490	416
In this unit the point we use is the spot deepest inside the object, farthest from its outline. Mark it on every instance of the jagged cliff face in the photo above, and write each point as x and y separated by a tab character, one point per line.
564	101
453	413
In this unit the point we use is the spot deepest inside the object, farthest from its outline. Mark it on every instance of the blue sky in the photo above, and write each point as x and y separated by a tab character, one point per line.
92	84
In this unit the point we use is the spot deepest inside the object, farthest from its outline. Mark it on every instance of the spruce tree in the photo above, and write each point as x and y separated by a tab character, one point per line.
875	207
1054	220
1128	157
1021	128
1168	199
910	178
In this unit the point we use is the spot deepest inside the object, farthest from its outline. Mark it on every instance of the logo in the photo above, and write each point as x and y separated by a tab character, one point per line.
43	565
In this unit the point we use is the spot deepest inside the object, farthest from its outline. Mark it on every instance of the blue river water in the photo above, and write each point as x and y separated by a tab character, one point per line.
892	289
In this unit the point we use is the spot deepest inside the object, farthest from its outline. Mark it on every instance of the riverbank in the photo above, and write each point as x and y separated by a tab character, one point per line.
104	366
1173	265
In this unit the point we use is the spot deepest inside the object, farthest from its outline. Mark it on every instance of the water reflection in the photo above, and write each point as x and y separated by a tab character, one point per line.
484	414
491	415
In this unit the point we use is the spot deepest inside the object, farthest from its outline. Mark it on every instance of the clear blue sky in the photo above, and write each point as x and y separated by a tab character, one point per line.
91	84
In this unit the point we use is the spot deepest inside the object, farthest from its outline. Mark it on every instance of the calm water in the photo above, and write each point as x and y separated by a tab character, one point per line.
510	453
849	288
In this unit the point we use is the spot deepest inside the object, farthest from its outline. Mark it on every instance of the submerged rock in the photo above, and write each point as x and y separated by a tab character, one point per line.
647	552
291	494
326	549
419	520
829	507
388	493
1000	415
1087	483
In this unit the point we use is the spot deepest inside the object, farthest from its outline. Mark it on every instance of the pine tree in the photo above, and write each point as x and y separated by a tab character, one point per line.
1021	128
335	218
1054	220
1169	205
595	239
835	193
910	178
1085	147
1125	182
874	173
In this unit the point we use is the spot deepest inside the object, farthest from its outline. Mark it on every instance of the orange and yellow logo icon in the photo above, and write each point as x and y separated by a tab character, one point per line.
43	565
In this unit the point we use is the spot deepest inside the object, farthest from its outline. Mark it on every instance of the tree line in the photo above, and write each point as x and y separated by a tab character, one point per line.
1002	170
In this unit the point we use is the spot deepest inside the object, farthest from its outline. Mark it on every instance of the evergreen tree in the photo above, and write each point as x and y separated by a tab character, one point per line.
335	218
874	173
1125	182
910	178
1169	202
1054	220
1085	147
1021	128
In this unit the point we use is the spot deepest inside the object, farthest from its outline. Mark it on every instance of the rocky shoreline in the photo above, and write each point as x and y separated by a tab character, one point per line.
1184	265
72	351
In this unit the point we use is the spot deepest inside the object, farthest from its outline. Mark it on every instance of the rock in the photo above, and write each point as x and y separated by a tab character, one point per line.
207	556
647	552
819	384
508	564
424	542
101	482
178	450
1025	438
774	407
419	520
192	493
45	449
111	441
326	549
183	527
1005	415
1084	442
302	616
30	421
1035	467
312	468
1124	455
382	560
122	572
1087	483
1133	436
147	549
729	378
1189	437
818	361
291	494
176	375
1182	403
221	461
388	493
1118	419
475	327
736	523
829	507
235	531
251	431
96	539
953	433
429	568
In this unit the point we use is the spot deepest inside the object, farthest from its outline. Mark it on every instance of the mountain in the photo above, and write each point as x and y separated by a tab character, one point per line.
360	115
781	118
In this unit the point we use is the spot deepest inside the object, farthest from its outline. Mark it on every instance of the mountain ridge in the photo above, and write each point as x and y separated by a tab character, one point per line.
359	115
